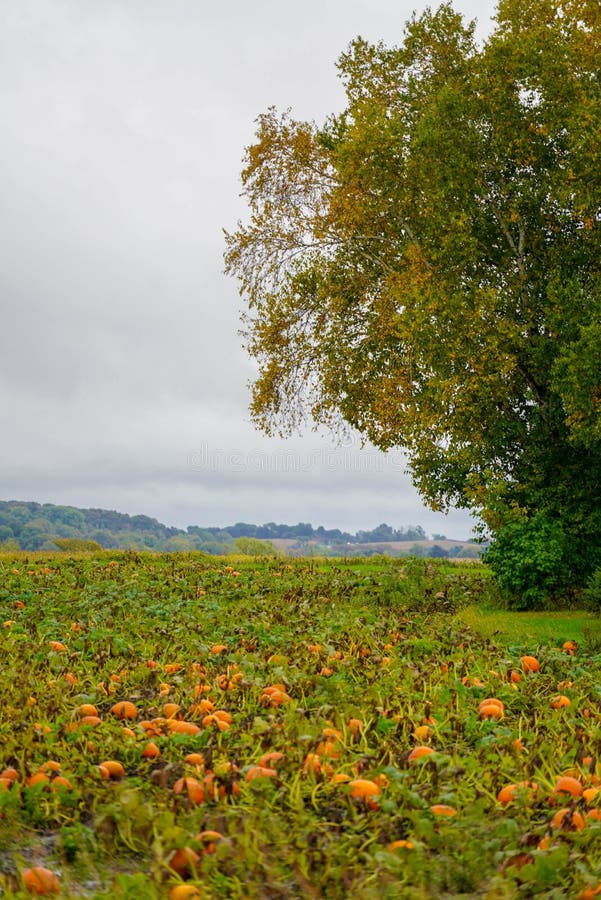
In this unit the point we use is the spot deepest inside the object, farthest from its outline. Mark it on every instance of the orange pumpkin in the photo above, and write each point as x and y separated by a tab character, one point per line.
39	880
530	663
124	709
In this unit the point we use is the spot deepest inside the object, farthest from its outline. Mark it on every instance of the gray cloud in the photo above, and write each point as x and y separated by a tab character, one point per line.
123	130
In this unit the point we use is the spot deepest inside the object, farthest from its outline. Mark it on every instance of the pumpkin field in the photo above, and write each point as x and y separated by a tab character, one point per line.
180	726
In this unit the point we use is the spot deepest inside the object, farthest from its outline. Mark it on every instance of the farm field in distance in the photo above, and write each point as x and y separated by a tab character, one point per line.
177	725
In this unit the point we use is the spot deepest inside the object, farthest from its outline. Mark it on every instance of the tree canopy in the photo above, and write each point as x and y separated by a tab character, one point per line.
425	268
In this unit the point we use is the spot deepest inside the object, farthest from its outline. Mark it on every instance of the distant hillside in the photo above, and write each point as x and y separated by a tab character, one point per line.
435	548
26	525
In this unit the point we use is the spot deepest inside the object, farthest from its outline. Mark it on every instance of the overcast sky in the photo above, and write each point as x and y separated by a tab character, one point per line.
123	383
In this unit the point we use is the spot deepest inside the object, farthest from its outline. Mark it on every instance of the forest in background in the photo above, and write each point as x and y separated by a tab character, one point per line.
26	525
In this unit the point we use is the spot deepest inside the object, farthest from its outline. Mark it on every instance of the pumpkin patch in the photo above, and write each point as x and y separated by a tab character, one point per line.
201	748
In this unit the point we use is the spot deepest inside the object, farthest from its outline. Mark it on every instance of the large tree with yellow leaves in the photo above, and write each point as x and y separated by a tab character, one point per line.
426	267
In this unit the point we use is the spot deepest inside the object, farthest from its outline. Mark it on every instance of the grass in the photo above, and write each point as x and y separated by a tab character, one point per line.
534	627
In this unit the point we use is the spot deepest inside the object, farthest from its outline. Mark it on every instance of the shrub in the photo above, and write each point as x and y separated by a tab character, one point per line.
248	546
530	559
75	545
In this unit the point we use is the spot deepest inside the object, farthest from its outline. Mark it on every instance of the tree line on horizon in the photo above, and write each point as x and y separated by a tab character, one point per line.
27	525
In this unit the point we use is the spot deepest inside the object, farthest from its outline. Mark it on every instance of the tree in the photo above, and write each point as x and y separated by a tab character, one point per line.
69	516
35	534
6	533
425	267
